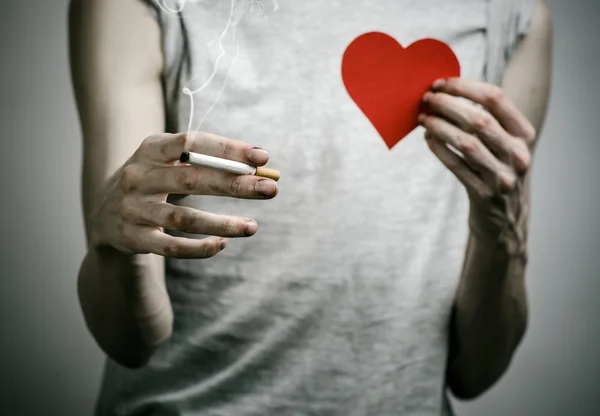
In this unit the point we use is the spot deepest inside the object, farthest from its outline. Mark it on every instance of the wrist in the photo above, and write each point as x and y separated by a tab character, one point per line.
498	236
497	227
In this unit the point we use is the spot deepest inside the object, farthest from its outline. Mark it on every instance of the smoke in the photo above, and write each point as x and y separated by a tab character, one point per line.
225	46
178	5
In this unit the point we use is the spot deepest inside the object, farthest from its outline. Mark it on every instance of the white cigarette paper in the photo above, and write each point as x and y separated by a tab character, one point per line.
231	166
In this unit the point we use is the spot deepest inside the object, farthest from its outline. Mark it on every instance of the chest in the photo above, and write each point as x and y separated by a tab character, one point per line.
272	76
259	48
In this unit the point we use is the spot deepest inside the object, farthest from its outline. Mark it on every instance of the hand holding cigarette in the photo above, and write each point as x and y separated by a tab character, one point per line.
134	212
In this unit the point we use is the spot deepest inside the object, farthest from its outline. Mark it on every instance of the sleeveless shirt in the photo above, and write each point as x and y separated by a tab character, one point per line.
340	304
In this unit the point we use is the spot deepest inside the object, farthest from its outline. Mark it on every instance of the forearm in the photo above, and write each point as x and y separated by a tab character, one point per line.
489	316
122	296
122	306
490	311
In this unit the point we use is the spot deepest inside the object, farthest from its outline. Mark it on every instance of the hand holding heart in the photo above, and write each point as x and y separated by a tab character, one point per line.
495	142
398	88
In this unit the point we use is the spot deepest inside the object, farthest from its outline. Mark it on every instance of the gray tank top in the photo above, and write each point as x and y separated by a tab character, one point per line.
340	304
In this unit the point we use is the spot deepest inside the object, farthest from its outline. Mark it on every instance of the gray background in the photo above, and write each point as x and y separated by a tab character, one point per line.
48	362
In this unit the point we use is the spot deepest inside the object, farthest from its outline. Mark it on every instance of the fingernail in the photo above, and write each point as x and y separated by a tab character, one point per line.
265	187
438	83
258	155
427	96
224	243
250	227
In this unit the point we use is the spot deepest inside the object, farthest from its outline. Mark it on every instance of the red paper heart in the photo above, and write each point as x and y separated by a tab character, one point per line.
387	81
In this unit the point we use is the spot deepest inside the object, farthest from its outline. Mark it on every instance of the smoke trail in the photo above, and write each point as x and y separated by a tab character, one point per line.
178	6
237	10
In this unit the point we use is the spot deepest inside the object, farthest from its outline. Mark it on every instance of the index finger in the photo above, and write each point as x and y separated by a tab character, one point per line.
494	99
168	147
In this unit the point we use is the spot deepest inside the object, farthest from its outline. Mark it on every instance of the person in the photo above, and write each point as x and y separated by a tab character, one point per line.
379	280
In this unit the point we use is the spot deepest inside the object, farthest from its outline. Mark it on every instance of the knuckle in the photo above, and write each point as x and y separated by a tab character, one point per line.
188	180
467	145
184	140
482	122
191	140
130	177
217	187
128	235
200	135
494	96
235	185
148	143
127	208
229	149
173	250
484	192
207	248
178	221
452	84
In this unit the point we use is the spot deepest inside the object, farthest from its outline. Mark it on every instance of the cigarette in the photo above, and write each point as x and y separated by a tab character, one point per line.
227	165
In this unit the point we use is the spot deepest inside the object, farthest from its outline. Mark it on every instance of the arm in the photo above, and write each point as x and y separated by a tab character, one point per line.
116	66
490	311
130	168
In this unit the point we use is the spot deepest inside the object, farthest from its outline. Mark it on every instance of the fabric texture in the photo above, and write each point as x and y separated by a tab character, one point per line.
340	304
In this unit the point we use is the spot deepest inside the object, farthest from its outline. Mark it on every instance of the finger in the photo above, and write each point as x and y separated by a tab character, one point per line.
474	151
485	126
166	245
192	221
167	148
196	180
472	182
494	99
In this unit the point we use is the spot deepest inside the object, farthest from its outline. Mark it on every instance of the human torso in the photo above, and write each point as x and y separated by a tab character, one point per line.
340	304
